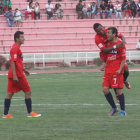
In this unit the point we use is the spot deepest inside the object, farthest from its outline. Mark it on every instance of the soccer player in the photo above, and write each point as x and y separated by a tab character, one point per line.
114	69
101	40
16	78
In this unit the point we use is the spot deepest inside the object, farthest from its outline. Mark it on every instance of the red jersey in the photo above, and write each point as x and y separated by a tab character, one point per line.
115	57
17	57
100	40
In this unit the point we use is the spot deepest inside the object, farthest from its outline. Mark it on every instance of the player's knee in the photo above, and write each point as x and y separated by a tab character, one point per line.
119	91
105	90
28	94
9	95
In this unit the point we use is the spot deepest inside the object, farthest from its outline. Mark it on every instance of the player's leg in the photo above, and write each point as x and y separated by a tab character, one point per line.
7	103
122	102
117	97
28	101
125	76
110	100
108	95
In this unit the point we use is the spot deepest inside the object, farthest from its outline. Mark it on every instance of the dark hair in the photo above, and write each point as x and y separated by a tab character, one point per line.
114	30
96	25
17	35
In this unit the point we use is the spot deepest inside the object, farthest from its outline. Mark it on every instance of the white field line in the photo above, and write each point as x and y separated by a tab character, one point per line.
70	105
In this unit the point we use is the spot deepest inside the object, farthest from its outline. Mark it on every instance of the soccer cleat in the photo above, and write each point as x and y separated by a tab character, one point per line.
117	98
33	115
122	113
7	116
127	84
112	111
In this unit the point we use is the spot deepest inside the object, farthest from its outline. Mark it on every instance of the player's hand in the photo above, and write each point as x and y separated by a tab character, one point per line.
118	72
15	78
26	73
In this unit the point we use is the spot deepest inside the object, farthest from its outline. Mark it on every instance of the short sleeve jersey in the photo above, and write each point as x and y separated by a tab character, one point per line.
17	57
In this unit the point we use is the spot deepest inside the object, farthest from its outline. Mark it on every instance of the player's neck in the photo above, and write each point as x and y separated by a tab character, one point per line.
114	39
18	44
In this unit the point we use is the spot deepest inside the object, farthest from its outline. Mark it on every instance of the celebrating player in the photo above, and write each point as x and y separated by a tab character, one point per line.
101	39
114	69
16	78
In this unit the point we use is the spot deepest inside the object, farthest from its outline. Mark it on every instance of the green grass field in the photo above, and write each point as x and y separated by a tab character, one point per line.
70	104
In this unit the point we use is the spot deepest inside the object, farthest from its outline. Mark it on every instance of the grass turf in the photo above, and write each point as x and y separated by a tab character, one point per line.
74	121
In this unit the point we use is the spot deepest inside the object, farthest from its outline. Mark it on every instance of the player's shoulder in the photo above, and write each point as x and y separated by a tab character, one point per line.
14	47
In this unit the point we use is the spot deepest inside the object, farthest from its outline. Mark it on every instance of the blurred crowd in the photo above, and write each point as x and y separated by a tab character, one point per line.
103	8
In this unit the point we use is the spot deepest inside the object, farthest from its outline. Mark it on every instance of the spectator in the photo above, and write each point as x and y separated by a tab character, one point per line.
49	10
110	9
118	8
103	9
59	11
6	4
1	7
79	8
133	8
126	9
18	18
94	9
138	8
138	45
30	10
37	11
10	17
84	11
89	11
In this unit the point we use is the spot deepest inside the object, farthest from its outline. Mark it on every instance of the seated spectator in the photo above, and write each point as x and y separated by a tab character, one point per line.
138	45
79	8
133	8
1	7
89	10
84	11
103	9
59	11
30	10
49	10
138	8
37	11
110	9
94	9
18	17
6	4
126	9
10	17
118	8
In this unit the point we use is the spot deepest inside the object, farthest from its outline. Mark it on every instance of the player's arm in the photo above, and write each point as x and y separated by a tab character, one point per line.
26	72
122	38
103	47
13	67
13	55
121	67
123	59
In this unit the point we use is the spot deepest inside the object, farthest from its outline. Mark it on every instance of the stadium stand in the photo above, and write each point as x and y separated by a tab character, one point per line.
66	35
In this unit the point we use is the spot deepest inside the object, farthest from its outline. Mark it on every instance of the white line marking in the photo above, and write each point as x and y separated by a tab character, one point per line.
70	104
